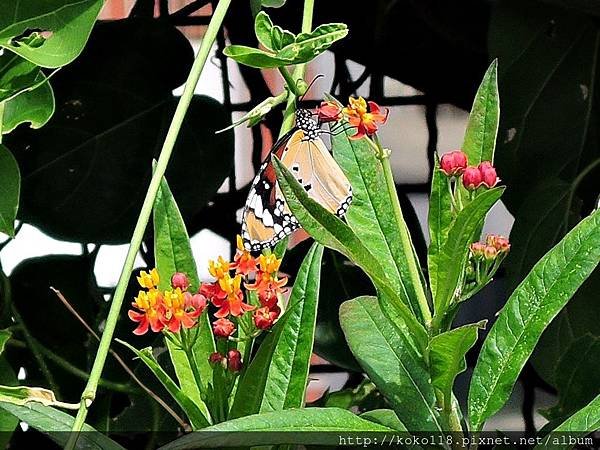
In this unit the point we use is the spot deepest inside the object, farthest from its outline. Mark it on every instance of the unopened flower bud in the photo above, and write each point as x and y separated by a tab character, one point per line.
490	253
217	358
489	177
180	280
223	328
453	163
329	112
234	360
477	249
472	178
500	243
265	317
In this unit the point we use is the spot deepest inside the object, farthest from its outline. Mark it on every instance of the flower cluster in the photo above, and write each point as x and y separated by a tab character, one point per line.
485	259
489	250
360	114
455	164
168	310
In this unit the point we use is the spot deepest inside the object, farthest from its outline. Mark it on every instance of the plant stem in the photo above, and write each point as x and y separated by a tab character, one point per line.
161	166
405	240
290	109
1	119
290	81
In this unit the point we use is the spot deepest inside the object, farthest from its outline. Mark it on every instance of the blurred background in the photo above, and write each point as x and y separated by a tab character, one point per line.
85	173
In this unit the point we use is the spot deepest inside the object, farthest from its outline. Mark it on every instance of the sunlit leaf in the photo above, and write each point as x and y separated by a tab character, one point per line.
11	186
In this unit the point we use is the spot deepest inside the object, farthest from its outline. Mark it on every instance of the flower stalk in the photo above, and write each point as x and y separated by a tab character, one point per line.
161	166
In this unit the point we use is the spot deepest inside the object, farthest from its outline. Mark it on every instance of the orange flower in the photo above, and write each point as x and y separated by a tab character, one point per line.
218	268
243	262
264	318
364	118
150	312
179	311
267	283
234	302
329	111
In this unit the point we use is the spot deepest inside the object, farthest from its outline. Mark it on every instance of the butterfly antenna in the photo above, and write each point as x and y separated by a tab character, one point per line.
310	85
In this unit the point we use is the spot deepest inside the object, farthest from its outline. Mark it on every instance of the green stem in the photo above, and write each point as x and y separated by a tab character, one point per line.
138	234
290	81
299	71
1	119
405	240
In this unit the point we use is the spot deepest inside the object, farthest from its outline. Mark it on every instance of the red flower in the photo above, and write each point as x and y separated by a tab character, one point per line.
264	318
453	163
489	177
212	291
243	262
472	178
234	360
329	111
180	280
149	312
233	303
179	312
363	118
223	328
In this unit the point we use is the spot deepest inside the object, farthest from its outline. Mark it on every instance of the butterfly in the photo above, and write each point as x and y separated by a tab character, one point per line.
267	219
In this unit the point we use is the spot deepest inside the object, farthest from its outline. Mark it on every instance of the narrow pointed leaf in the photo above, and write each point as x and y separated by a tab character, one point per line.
464	230
173	253
293	426
197	418
278	375
528	311
482	128
584	421
390	362
440	220
330	231
371	214
11	186
447	356
57	425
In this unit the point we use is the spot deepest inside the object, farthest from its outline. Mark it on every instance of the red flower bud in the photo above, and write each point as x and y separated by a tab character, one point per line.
180	280
477	249
489	176
223	328
490	253
500	243
472	178
265	317
234	360
453	163
329	112
217	358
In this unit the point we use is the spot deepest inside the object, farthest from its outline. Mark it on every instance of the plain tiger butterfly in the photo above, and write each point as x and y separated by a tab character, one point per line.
267	218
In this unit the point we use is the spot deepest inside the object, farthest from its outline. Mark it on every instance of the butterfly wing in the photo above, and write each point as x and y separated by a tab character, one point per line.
267	218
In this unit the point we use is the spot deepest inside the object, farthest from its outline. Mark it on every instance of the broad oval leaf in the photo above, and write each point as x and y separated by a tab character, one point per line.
309	45
447	356
57	425
34	107
390	362
463	231
50	33
16	74
262	29
195	415
482	128
254	57
372	217
528	311
330	231
584	421
173	253
11	186
277	377
317	426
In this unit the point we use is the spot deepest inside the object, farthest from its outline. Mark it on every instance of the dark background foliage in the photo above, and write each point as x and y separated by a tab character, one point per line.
84	174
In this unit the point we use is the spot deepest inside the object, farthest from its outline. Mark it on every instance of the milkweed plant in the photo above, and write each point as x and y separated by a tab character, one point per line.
240	344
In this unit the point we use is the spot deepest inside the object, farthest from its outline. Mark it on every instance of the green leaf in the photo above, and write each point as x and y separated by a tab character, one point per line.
482	128
11	186
292	426
34	107
575	378
50	33
447	356
281	38
385	417
16	74
330	231
277	377
173	253
189	406
389	361
440	220
584	421
273	3
4	337
57	425
309	45
529	310
463	231
371	214
254	57
262	29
